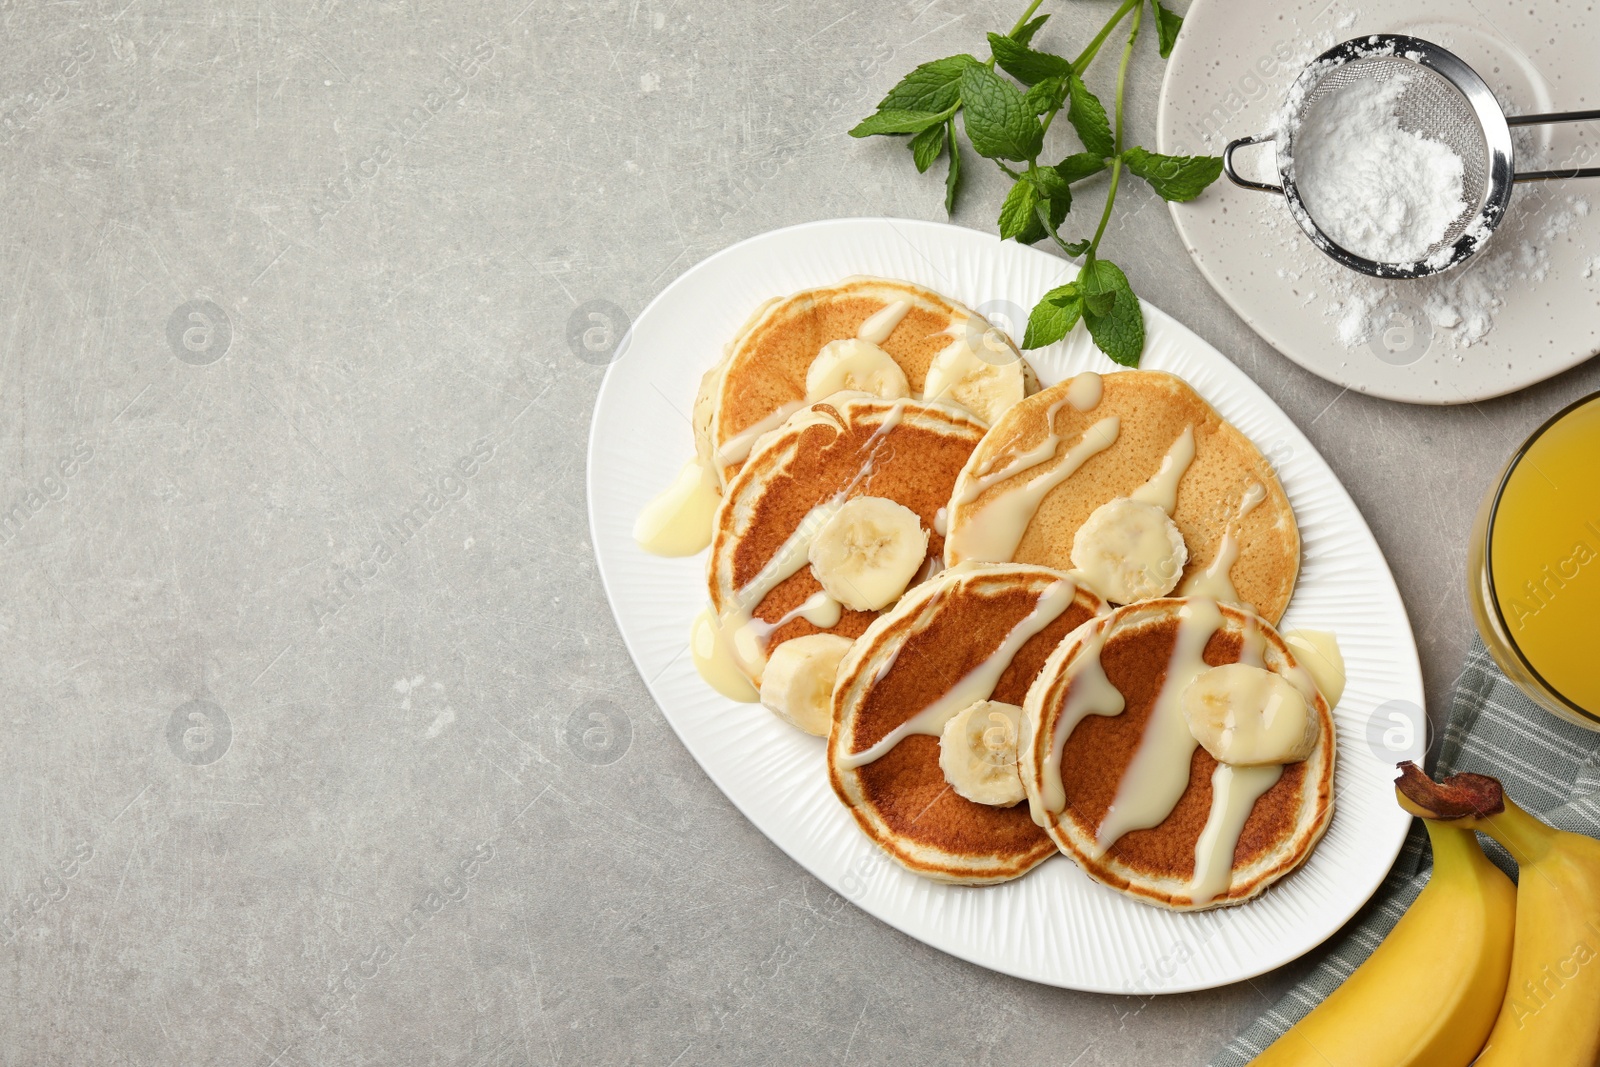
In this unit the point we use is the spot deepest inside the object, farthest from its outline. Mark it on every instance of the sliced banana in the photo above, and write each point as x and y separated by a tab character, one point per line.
868	552
1129	550
1246	716
978	753
985	375
797	686
855	365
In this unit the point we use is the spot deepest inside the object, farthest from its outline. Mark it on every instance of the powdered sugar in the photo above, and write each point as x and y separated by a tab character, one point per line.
1461	305
1378	190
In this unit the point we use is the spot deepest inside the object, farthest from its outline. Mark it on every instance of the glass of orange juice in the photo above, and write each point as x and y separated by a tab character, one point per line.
1533	565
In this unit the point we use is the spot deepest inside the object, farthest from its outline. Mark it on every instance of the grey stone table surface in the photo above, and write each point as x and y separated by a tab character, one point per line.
321	746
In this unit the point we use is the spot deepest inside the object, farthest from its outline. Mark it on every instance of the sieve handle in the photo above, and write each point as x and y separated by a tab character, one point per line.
1238	179
1541	120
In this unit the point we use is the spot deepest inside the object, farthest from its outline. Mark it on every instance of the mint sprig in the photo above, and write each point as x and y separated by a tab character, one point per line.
1006	122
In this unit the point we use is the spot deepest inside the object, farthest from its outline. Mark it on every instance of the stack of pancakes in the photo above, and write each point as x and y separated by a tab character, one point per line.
780	458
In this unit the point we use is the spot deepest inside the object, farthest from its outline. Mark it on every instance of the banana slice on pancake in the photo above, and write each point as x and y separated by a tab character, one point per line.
984	375
978	753
797	685
1249	717
868	552
1129	550
854	365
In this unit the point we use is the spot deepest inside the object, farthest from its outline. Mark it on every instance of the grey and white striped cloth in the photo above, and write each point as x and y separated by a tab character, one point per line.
1549	767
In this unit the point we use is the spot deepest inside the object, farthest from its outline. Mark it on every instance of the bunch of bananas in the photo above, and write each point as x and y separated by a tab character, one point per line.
1476	971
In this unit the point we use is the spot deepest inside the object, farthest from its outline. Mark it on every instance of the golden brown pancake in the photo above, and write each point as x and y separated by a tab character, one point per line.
1155	865
907	659
846	446
763	370
1153	409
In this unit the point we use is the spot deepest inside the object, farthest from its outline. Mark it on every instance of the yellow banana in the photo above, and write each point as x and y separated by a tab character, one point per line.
1427	995
1551	1013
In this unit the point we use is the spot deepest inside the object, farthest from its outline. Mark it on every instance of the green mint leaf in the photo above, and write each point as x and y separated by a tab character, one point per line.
1023	63
1176	178
1016	214
926	146
1075	248
1053	316
1088	117
1167	27
1118	326
997	122
952	178
1077	167
1026	31
934	86
888	122
1055	193
1047	95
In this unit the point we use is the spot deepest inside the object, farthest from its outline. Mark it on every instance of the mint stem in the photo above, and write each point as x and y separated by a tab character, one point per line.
1081	64
1116	145
1026	15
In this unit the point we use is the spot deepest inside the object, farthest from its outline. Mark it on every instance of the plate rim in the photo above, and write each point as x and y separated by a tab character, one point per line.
887	915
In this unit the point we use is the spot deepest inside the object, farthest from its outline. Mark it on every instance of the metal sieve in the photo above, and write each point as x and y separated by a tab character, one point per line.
1445	101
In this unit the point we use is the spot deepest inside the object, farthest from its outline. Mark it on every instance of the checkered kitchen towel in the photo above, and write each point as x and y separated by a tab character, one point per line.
1549	767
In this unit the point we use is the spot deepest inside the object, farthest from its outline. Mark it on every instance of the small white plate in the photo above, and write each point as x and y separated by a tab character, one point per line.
1054	925
1228	77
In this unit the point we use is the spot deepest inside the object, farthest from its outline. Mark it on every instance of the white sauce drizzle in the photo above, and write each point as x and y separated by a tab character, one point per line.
1159	773
735	644
881	324
1234	792
995	530
1083	392
1214	582
677	521
736	449
1162	488
711	648
978	683
1090	692
1318	652
1252	644
1025	460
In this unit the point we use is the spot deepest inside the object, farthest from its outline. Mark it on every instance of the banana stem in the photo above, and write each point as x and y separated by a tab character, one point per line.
1452	846
1527	839
1463	799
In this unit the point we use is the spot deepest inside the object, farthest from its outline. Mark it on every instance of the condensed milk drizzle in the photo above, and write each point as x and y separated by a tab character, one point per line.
882	322
1162	488
1083	392
736	449
1234	792
1159	773
1252	644
1214	582
819	609
978	683
995	530
1090	692
677	521
1318	653
720	646
1027	459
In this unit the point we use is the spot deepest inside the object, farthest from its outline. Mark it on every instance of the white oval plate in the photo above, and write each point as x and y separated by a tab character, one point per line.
1227	78
1053	925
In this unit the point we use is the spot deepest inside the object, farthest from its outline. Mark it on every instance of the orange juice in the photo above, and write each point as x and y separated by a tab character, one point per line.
1534	566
